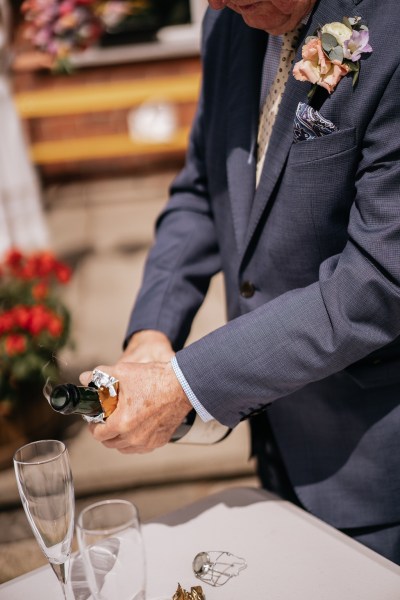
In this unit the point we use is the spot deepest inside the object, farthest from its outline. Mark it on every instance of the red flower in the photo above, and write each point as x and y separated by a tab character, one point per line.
13	258
63	272
15	344
29	269
46	263
55	326
7	321
40	290
22	316
39	319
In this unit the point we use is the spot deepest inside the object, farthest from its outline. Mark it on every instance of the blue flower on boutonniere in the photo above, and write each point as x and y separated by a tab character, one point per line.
332	52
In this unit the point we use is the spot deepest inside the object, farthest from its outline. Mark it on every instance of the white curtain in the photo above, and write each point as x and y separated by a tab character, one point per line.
22	222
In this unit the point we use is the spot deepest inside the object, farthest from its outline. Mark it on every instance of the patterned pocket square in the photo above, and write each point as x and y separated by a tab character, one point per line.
309	124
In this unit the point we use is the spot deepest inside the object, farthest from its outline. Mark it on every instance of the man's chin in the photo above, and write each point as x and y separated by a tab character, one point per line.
258	22
263	22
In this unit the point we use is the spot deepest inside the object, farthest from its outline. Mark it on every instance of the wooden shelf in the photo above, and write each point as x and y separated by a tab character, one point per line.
107	146
78	99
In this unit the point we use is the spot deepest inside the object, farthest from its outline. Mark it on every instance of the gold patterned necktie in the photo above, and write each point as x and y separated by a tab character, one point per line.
274	96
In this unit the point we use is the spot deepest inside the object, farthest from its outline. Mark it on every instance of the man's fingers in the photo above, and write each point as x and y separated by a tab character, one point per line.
102	432
126	447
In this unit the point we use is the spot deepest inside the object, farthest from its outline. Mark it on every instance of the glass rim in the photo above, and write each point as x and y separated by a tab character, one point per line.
114	528
39	461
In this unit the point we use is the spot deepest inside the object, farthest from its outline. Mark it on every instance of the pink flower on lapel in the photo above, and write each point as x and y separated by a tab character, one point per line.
331	53
316	67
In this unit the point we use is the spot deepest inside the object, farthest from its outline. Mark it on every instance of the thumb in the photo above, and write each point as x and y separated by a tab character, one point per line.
86	377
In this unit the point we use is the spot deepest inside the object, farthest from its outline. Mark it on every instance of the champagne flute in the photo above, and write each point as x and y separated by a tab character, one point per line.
111	544
46	489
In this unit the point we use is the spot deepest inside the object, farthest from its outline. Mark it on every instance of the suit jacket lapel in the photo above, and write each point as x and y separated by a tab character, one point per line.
282	135
247	53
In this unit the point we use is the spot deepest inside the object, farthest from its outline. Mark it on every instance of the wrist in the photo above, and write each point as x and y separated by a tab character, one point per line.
148	346
147	336
178	392
190	395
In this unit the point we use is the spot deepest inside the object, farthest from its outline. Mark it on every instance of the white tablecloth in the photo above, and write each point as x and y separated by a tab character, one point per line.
290	555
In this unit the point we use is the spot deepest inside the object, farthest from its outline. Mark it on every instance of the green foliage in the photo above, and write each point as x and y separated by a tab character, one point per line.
34	323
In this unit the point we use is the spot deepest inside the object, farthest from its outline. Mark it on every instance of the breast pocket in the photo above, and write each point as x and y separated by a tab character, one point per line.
319	180
321	148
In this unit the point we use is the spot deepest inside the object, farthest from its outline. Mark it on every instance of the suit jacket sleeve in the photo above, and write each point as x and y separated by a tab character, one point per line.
310	333
185	255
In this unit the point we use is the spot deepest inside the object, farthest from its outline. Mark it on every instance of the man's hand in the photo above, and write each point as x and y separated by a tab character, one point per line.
148	346
151	406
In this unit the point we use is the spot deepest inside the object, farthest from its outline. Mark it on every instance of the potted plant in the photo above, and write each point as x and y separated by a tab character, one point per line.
34	326
63	27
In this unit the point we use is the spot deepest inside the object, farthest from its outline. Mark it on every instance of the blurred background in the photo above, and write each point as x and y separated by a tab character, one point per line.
96	101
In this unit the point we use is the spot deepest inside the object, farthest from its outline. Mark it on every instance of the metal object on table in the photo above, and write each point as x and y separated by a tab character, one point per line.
216	567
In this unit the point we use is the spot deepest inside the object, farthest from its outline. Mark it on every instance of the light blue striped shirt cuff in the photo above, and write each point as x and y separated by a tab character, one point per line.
198	407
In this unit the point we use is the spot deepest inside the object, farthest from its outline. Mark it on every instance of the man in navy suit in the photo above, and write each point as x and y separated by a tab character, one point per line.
311	260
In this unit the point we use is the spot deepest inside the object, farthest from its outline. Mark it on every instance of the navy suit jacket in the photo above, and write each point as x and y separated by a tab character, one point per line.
319	240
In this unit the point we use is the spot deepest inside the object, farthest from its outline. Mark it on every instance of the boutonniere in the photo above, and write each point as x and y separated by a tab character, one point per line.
331	53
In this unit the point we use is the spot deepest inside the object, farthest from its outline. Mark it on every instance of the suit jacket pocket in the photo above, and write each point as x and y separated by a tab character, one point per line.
376	373
323	147
309	123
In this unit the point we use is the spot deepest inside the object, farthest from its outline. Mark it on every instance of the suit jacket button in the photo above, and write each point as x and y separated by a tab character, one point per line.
247	289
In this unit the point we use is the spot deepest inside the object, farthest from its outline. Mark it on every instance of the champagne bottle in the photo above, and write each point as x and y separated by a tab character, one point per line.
96	404
88	401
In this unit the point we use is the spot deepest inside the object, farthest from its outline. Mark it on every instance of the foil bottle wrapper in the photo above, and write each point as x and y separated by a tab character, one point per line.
196	593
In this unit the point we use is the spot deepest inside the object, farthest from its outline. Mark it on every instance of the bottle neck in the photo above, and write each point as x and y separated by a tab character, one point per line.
69	399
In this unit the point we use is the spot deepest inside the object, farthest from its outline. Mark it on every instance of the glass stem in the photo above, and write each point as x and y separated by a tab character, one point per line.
67	591
62	574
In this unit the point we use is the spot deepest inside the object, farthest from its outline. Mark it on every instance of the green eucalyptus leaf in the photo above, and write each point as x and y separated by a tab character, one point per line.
336	54
355	76
353	66
328	41
312	91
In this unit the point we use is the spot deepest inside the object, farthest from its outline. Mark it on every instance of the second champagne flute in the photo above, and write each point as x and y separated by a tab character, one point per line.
111	544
